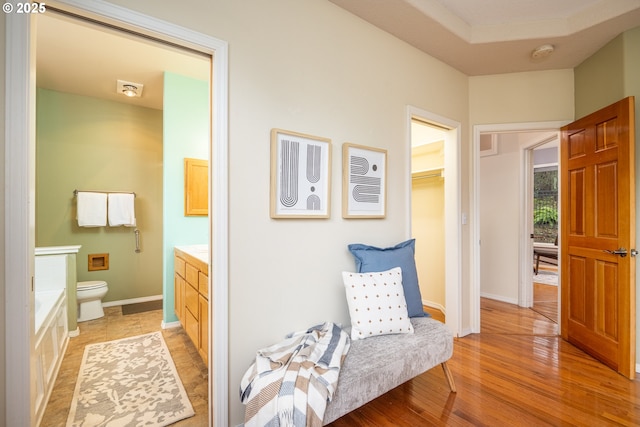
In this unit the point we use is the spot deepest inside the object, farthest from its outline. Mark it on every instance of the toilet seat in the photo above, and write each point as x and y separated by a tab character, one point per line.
91	284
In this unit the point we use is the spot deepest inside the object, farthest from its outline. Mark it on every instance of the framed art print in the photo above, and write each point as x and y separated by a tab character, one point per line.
300	175
364	181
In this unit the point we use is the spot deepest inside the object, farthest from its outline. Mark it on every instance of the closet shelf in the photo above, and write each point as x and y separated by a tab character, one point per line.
428	173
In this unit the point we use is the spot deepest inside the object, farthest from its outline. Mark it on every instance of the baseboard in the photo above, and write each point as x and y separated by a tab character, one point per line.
499	298
131	301
435	305
169	325
74	333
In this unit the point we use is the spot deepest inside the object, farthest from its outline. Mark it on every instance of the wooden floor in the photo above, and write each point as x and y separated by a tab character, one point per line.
516	372
189	364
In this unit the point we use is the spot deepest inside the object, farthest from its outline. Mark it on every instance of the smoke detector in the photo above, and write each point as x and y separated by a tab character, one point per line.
130	89
542	51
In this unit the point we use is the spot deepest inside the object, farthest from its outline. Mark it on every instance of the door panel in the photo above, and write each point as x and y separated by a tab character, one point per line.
598	216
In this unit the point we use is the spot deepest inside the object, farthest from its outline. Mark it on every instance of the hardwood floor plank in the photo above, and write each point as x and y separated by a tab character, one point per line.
516	372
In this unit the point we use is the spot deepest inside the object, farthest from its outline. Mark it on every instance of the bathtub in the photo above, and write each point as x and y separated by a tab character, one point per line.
53	271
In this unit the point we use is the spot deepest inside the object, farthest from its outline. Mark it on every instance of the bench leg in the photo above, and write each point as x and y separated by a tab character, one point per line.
447	374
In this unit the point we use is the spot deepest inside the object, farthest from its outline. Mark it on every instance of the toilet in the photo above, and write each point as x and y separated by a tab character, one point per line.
90	296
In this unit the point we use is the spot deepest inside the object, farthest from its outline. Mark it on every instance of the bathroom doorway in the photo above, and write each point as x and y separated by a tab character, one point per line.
93	137
21	128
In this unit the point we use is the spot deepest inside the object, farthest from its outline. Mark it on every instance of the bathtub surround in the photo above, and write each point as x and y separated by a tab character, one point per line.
150	392
54	281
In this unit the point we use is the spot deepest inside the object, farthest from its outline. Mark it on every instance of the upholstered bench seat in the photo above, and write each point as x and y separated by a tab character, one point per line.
375	365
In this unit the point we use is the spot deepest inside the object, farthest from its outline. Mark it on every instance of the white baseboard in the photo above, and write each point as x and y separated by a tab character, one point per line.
435	305
74	333
132	301
169	325
499	298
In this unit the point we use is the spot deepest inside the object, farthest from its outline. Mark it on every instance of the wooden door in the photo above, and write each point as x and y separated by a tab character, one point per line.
598	218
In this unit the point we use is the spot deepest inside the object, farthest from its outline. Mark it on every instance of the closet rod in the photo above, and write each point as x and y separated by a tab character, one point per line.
75	192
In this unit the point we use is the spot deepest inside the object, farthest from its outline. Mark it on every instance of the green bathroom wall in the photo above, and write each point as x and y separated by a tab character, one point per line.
186	134
87	143
607	76
599	79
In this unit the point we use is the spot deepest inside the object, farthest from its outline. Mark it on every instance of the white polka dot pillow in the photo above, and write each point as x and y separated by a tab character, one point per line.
376	303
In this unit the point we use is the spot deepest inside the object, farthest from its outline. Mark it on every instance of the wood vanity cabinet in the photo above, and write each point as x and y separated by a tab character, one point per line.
191	298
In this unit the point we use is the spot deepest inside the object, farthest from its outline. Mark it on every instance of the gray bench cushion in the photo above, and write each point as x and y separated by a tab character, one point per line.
378	364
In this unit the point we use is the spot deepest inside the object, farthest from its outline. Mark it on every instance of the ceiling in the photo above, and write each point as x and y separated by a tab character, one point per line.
87	59
475	37
480	37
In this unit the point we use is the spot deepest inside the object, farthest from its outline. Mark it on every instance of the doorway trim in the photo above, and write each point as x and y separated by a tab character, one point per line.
475	211
20	197
452	210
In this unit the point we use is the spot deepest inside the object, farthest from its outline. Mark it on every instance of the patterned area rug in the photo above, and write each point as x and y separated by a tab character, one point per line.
129	382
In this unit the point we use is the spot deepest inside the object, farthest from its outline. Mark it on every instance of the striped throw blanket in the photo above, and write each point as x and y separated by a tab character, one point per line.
291	382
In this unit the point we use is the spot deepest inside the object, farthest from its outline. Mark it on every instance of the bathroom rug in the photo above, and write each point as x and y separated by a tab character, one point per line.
128	382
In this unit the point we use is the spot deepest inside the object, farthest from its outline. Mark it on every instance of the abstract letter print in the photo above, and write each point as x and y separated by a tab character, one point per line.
289	173
367	189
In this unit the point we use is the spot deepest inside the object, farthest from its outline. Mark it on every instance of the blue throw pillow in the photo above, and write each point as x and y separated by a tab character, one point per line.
372	259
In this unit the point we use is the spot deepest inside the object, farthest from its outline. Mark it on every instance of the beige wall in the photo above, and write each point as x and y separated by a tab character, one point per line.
500	222
521	97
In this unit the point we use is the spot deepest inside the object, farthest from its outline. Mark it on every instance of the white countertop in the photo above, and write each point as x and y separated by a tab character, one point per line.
200	252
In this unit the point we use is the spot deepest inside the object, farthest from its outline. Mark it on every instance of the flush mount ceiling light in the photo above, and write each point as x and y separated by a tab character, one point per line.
542	51
130	89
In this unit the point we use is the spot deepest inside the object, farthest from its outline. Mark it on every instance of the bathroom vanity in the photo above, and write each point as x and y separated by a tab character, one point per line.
191	293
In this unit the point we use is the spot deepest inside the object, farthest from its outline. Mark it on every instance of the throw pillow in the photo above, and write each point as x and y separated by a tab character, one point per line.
376	303
371	258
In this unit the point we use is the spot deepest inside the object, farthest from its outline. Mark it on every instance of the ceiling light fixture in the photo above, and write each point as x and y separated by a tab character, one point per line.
542	51
130	89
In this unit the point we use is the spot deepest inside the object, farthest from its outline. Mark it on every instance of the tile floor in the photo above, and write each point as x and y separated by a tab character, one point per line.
191	368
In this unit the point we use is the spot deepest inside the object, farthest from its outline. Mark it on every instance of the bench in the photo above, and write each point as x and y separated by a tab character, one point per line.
375	365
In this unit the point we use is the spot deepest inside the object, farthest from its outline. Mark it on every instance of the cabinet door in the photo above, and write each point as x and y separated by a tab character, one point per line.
179	266
203	284
203	347
178	297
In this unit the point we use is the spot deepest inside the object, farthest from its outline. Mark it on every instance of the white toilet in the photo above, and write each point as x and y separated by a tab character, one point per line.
90	296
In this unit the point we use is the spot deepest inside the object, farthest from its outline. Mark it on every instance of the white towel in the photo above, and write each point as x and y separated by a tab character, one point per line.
92	209
121	209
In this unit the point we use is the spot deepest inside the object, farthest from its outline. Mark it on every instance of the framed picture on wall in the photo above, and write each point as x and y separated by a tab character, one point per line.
300	175
364	181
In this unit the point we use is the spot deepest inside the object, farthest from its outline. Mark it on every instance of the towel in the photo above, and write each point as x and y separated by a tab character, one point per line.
121	209
290	383
92	209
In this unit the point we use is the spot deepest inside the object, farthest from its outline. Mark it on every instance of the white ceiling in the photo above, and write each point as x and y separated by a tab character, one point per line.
474	36
480	37
87	59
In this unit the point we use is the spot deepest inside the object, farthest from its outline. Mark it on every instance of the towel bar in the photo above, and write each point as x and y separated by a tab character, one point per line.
75	192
